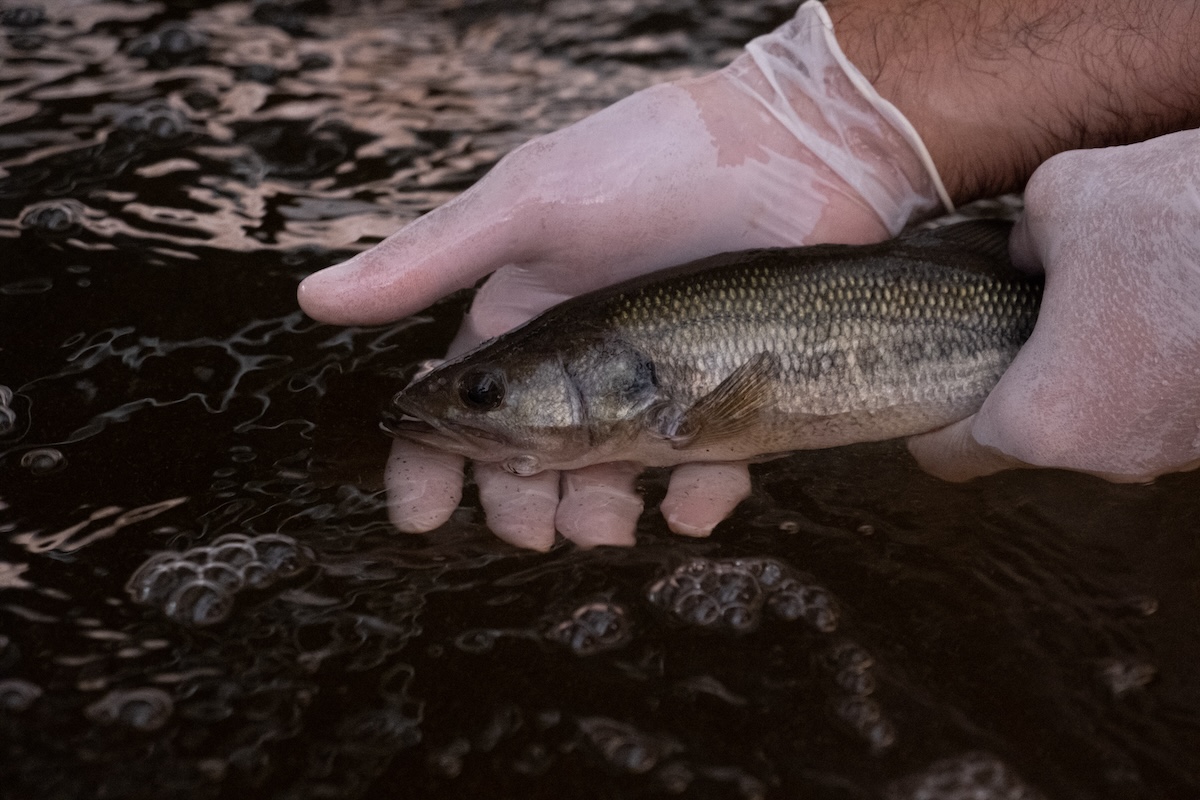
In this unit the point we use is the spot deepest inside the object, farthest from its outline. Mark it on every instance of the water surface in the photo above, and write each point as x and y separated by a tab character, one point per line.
200	595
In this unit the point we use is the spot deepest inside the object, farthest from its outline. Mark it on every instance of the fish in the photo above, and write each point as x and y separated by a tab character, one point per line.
741	356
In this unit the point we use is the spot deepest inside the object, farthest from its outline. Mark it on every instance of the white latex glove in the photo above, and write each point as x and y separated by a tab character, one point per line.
788	145
1109	383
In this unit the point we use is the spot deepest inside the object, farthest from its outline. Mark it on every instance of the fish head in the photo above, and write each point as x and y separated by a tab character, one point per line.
530	405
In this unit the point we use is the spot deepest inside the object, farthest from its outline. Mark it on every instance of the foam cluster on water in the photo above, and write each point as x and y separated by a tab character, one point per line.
971	776
731	593
594	627
196	587
852	668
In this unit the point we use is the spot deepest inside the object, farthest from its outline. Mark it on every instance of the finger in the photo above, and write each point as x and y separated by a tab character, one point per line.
424	486
953	454
700	495
600	505
449	248
520	510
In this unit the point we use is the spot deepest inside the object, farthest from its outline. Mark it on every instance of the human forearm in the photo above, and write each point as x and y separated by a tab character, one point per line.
995	87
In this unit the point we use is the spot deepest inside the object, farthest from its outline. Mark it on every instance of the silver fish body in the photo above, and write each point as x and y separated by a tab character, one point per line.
739	356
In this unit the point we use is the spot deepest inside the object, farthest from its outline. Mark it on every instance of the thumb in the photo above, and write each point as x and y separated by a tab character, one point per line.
449	248
1024	246
953	454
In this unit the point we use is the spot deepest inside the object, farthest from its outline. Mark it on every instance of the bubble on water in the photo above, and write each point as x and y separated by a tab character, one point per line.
17	695
596	627
197	586
43	461
234	554
144	709
971	776
769	572
200	556
730	594
256	575
852	667
54	219
198	602
864	716
222	575
156	579
230	538
796	599
280	554
173	44
716	594
624	747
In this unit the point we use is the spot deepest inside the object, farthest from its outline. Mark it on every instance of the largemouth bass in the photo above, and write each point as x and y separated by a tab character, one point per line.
740	356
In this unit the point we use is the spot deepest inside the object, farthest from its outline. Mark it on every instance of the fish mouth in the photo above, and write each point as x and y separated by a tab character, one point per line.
404	420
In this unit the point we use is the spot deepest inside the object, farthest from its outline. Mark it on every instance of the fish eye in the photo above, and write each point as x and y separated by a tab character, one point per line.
481	389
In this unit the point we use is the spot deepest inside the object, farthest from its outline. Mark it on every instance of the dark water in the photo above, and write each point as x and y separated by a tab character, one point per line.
200	595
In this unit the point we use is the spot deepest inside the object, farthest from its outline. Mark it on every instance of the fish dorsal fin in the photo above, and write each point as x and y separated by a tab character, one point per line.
987	237
727	411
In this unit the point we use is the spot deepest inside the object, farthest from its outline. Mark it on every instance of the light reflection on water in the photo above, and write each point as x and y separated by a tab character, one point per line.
166	413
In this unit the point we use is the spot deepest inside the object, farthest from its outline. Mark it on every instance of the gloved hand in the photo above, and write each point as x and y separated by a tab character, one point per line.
1109	383
788	145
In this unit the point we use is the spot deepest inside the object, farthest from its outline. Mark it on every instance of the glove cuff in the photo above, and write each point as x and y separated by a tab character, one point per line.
799	73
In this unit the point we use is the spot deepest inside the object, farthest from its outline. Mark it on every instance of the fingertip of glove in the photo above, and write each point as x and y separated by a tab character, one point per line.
680	524
409	520
521	534
319	295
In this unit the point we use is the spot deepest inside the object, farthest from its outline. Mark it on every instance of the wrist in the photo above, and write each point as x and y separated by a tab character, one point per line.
798	76
994	89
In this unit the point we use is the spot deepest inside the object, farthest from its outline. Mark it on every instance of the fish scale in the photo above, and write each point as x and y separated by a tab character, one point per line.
741	355
911	324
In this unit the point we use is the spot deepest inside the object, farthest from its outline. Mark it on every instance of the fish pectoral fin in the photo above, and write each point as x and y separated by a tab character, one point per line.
732	408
